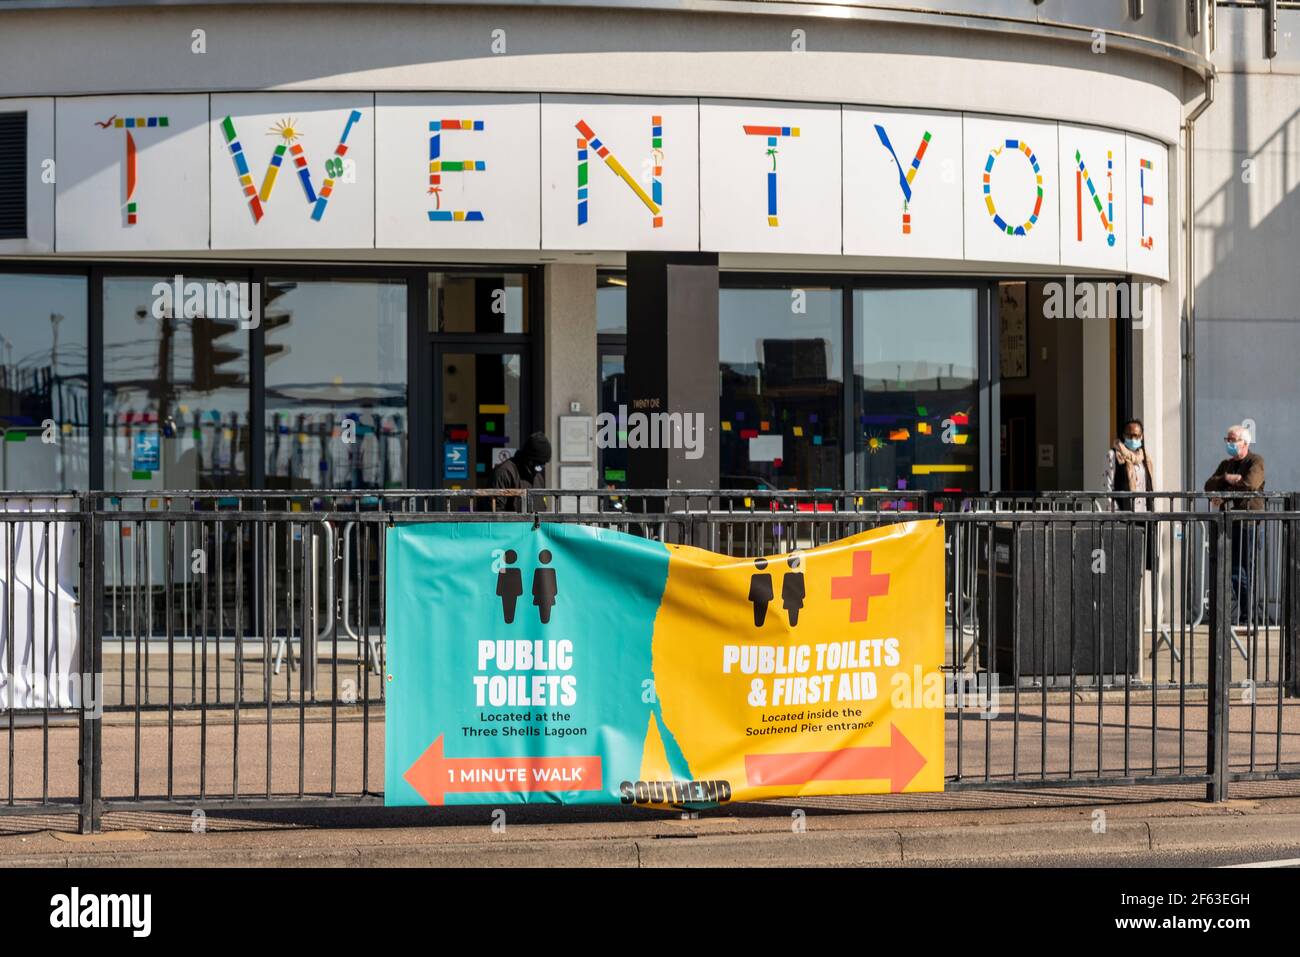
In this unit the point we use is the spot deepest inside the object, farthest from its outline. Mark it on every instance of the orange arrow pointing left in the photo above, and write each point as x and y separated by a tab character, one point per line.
434	775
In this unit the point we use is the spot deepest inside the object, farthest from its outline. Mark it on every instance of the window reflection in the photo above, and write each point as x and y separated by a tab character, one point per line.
336	384
175	384
44	387
781	354
916	388
611	305
478	302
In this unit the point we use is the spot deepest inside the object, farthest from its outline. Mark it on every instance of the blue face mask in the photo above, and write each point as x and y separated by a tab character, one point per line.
1231	447
1133	444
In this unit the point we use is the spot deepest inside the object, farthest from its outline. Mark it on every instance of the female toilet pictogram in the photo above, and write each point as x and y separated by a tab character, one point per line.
544	589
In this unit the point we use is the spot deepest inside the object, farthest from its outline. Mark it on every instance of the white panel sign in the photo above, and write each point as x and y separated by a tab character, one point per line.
1092	198
41	172
902	183
619	173
517	172
1148	207
1011	202
292	170
766	448
458	171
769	177
132	173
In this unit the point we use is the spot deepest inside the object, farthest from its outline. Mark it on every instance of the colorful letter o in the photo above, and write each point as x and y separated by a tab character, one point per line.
1002	225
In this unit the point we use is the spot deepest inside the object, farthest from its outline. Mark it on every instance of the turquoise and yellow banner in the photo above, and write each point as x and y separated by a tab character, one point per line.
570	664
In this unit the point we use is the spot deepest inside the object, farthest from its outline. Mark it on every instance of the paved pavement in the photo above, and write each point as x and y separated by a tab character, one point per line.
191	756
747	835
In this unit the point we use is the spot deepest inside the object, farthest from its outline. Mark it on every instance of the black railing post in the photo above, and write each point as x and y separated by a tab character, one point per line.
1220	678
91	718
1291	603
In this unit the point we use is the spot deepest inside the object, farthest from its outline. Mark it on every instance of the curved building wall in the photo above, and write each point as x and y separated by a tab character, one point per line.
1012	139
832	81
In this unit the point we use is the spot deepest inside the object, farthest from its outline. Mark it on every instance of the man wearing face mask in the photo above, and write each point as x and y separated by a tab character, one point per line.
1241	471
525	469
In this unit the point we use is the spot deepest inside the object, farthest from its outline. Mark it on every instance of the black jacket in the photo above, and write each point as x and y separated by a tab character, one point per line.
520	471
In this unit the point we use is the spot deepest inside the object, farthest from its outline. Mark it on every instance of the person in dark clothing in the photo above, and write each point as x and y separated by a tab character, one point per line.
1241	471
1129	469
524	470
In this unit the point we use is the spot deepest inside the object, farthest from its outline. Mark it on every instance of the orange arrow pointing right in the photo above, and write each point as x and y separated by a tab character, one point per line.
899	763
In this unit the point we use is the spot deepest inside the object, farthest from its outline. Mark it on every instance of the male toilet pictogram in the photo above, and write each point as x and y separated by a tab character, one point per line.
510	585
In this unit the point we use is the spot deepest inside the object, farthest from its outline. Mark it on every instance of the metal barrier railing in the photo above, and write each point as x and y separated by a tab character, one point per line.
234	642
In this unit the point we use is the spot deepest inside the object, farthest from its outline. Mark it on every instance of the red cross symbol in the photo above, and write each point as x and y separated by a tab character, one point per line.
860	587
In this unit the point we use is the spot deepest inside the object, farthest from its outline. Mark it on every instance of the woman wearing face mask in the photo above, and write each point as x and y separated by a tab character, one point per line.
1129	468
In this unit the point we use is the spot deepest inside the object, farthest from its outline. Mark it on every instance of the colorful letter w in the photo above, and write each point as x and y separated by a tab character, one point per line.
289	135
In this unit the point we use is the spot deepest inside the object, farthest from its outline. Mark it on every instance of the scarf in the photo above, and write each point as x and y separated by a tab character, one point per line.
1132	461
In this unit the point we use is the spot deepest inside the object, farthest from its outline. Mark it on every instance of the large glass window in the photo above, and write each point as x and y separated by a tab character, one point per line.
781	355
175	383
44	391
336	390
916	389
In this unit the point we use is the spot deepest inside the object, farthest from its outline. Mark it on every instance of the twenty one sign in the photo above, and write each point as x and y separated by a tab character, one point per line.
531	172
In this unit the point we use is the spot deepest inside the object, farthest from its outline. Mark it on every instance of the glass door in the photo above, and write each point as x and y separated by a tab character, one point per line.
613	400
481	411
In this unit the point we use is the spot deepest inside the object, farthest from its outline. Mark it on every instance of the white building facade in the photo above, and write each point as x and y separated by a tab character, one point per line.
374	245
